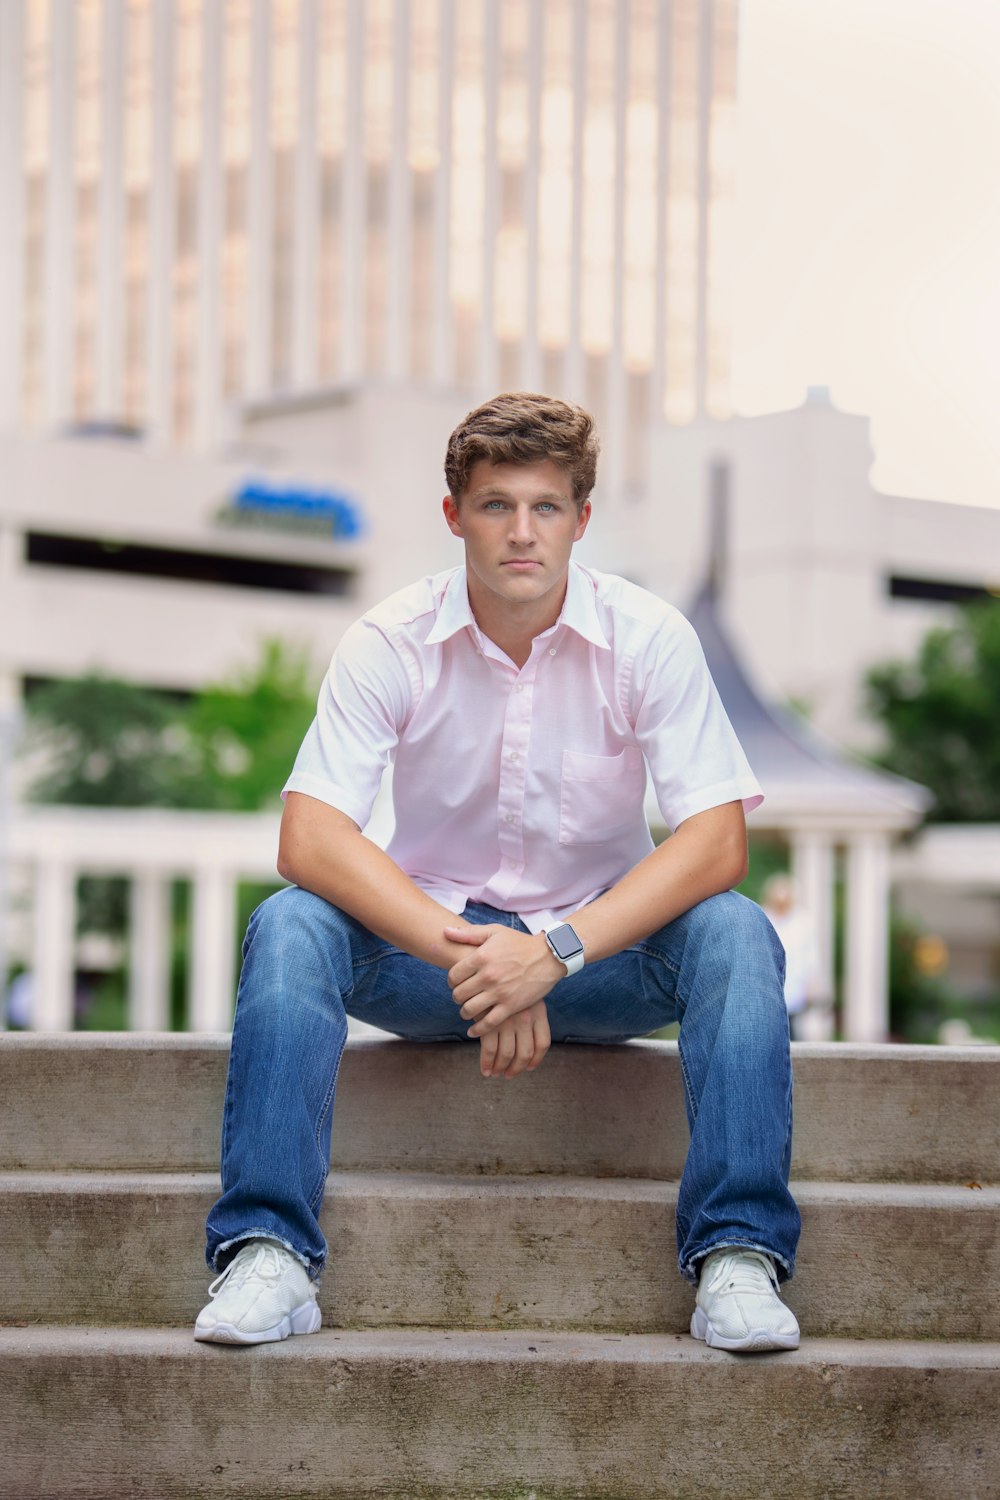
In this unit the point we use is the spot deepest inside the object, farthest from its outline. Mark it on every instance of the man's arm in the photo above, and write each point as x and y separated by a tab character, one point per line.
504	971
322	850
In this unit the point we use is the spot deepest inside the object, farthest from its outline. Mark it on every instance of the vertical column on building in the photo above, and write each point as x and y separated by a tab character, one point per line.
664	53
812	860
531	358
442	327
399	333
575	379
706	37
12	218
52	967
260	180
110	270
213	938
488	362
60	225
616	360
162	228
306	229
149	952
208	379
866	978
352	310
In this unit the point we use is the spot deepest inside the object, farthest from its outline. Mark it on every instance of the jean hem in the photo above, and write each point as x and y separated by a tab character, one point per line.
690	1266
264	1234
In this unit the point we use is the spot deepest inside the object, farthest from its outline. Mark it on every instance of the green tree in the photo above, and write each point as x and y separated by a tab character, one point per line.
941	715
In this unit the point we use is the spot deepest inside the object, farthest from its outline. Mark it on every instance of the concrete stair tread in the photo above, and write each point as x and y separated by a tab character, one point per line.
135	1100
464	1416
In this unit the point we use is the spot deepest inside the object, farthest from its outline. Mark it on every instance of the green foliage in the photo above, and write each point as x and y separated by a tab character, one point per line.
941	715
105	743
244	733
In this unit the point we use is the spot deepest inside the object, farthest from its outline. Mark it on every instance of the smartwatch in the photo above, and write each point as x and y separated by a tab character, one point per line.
566	946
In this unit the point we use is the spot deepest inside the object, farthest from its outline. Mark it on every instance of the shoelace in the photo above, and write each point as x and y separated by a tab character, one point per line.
265	1264
748	1271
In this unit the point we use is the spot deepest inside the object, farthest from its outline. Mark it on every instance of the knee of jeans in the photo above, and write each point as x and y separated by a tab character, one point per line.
295	923
734	925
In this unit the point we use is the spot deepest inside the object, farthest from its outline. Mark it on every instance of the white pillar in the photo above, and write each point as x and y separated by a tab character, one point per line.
60	218
208	383
866	978
706	46
443	336
213	938
575	382
354	215
664	55
12	218
306	227
257	376
813	871
110	278
531	350
162	231
52	946
616	425
149	945
399	311
488	362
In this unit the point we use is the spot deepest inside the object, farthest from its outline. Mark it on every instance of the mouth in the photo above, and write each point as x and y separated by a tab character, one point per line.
521	564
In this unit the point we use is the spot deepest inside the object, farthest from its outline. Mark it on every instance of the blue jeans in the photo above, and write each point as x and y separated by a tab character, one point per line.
717	969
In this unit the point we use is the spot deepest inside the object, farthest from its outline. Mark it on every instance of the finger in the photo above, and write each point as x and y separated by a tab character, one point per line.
461	973
542	1037
524	1049
506	1047
487	1052
489	1018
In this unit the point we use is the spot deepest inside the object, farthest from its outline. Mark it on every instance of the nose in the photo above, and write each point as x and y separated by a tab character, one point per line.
522	532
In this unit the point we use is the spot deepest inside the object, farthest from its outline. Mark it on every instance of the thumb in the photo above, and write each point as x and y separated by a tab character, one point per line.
473	935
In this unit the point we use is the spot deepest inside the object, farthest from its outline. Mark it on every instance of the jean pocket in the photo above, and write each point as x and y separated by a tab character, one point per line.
601	796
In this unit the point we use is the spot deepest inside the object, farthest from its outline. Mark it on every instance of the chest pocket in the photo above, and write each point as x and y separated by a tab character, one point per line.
600	795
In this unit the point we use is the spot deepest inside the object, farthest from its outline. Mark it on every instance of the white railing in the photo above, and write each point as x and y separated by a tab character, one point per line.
53	847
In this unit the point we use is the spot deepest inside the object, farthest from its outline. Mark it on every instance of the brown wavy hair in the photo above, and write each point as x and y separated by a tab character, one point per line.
520	427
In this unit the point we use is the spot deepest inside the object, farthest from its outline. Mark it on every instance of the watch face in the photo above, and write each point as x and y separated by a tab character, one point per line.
565	943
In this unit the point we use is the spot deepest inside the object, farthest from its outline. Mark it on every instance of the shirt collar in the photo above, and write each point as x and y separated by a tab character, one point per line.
579	609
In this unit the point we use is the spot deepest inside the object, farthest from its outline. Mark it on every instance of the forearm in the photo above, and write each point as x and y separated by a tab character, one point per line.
323	851
706	855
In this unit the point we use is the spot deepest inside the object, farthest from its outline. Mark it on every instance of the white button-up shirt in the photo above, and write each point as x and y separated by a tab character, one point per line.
523	787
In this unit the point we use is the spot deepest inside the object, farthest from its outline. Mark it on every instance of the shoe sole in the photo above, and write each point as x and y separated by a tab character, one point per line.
304	1319
758	1341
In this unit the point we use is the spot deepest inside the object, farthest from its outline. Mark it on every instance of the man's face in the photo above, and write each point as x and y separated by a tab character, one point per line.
518	523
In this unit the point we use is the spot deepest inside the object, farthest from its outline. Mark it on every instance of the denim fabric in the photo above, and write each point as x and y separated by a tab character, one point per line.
717	970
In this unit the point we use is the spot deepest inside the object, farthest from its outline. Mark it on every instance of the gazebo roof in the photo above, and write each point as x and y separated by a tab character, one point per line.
808	780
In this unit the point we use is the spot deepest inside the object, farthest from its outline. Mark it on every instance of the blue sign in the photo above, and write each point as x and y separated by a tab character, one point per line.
290	508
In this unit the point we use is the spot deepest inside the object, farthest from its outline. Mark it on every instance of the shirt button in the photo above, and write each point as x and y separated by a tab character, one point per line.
508	817
514	755
519	688
552	650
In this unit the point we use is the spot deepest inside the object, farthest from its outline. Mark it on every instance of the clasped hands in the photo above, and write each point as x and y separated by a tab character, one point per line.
501	986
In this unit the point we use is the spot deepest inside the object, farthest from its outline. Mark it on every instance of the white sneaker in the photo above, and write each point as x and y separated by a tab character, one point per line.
263	1295
738	1306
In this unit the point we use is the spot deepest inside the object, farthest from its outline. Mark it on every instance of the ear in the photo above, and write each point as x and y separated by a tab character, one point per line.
451	514
583	521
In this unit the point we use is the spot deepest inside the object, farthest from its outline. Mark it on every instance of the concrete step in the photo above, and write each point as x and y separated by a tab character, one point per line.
877	1261
86	1414
153	1102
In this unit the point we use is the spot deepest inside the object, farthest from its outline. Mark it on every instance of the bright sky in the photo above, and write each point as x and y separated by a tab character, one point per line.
868	228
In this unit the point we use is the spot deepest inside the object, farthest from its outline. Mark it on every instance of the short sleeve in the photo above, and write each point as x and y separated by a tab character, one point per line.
363	703
694	757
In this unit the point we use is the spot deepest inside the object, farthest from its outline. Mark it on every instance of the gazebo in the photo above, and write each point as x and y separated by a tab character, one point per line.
822	800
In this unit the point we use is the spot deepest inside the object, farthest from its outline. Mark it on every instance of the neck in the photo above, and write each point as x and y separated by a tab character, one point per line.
513	626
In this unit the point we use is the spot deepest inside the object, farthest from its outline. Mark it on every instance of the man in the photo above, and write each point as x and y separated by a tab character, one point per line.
520	900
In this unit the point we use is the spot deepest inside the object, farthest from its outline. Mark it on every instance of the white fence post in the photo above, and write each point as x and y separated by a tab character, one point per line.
213	940
52	947
149	952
